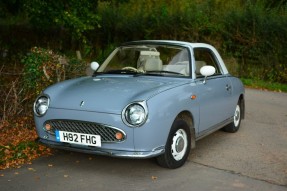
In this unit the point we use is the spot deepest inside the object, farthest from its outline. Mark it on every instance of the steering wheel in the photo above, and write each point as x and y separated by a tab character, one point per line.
130	68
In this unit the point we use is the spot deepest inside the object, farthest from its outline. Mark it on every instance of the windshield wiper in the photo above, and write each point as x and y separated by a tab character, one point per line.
120	72
164	71
115	72
147	74
97	73
130	72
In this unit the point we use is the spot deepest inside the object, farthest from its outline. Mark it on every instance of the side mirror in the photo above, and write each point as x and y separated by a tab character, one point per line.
94	66
207	71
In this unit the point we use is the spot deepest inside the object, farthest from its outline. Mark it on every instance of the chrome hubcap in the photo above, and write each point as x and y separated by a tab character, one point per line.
179	144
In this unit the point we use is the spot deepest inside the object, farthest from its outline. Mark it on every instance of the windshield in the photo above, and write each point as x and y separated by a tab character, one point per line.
148	60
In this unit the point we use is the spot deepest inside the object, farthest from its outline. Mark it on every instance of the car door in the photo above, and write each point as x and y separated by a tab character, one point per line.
214	94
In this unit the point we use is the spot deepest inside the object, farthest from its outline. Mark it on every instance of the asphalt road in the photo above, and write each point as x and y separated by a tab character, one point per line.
255	158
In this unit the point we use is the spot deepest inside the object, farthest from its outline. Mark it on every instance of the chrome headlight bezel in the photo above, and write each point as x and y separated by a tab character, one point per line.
41	101
141	108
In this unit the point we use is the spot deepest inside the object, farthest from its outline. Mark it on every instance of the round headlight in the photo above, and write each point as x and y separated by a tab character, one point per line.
41	105
135	114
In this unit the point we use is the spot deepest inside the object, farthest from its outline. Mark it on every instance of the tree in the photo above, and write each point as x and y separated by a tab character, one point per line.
78	17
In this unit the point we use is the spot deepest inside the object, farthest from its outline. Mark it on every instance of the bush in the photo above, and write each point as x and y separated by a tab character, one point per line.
253	32
256	36
162	19
42	67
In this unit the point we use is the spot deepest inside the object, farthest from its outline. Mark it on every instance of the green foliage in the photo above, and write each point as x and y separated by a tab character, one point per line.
41	68
162	19
256	36
19	150
251	32
78	17
260	84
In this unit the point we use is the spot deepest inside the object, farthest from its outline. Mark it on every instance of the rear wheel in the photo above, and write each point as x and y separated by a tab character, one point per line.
234	126
177	147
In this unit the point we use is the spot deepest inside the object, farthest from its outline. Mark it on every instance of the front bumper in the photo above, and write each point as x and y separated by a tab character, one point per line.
100	151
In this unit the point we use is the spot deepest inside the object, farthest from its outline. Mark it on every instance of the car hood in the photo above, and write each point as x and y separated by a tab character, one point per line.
107	94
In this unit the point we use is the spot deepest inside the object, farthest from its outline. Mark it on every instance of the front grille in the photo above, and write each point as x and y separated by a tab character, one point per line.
107	133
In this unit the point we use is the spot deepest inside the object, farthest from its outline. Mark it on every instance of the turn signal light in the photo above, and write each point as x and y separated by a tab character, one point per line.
48	127
119	136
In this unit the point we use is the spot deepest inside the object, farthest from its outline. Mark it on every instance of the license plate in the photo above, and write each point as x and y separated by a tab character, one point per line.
78	138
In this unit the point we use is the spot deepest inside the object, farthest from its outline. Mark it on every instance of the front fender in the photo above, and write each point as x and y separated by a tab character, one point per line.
163	109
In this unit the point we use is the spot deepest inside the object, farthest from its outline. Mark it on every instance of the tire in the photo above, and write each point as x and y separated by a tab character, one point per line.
177	147
234	126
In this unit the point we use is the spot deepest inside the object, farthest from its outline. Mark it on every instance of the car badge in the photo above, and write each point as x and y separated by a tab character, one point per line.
82	103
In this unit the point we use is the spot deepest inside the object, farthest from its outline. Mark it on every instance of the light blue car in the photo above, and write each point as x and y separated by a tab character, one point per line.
148	99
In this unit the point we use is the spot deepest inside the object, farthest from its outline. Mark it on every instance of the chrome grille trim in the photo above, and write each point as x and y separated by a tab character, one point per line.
106	132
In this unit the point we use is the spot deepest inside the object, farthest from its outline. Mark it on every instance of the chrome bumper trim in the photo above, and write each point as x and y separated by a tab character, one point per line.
105	152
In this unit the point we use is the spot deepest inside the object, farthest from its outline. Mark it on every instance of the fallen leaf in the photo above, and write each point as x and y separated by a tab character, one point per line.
37	178
7	152
153	177
2	175
16	173
66	176
31	169
50	165
18	143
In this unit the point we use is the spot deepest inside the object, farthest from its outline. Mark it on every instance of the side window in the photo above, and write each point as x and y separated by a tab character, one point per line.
203	57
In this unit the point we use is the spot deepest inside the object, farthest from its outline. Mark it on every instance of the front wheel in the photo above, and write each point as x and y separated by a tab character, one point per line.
234	126
177	147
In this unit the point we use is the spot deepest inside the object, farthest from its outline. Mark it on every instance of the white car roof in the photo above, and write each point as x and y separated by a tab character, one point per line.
183	43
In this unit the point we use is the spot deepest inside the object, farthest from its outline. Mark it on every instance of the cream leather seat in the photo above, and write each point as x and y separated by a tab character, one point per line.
152	64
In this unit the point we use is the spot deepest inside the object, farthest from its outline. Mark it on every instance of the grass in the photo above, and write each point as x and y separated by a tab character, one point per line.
259	84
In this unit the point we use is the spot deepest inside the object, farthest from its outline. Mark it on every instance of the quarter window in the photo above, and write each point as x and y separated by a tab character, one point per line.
204	57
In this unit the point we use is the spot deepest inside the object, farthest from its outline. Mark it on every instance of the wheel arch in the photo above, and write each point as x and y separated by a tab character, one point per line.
188	118
242	105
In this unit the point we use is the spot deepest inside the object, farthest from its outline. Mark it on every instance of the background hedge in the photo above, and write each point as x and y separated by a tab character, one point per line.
250	34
